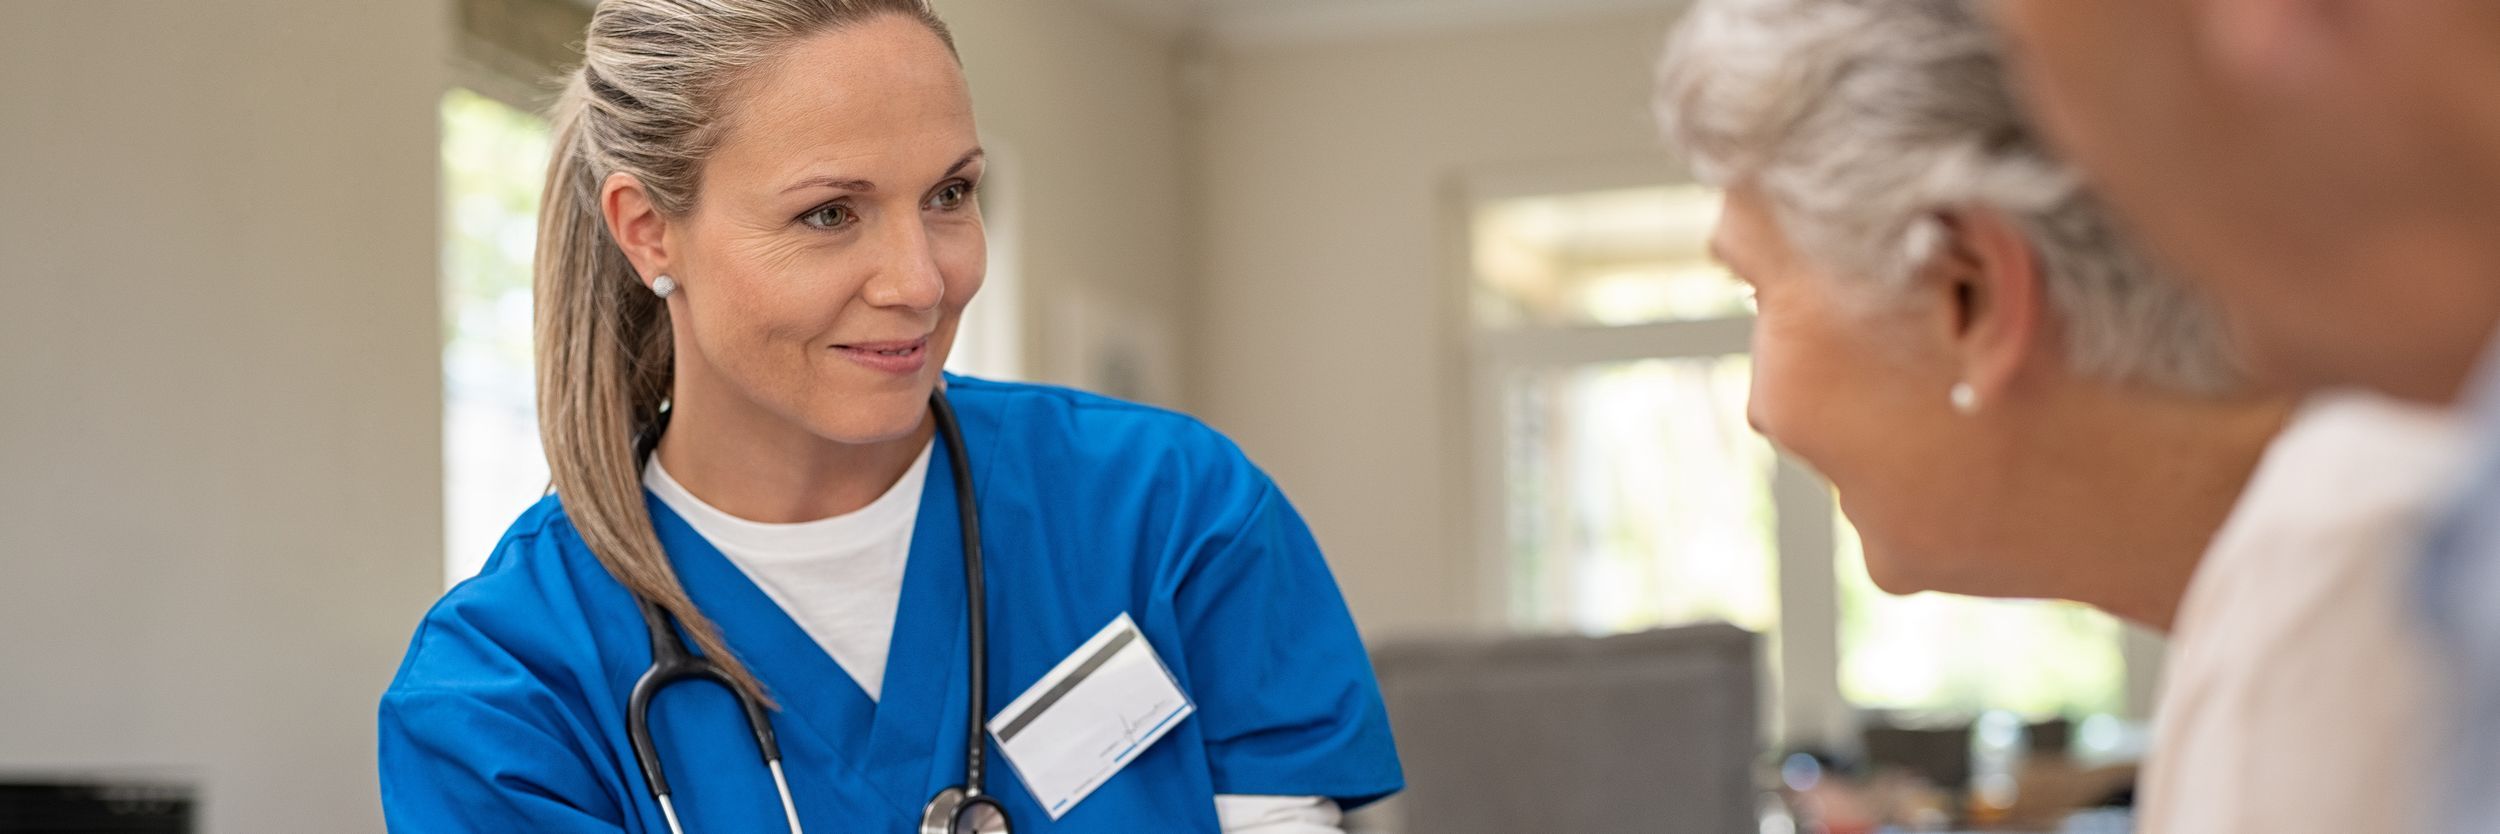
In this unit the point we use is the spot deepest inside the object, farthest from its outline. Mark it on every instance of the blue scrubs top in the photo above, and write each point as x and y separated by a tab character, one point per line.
509	712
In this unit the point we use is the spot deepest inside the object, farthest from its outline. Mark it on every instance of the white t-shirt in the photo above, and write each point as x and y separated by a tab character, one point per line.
2299	689
841	580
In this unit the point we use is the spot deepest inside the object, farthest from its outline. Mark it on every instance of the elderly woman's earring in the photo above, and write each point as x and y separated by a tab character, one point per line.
1965	399
664	286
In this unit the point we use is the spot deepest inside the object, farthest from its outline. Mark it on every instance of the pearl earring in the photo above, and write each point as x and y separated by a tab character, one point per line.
1965	399
664	286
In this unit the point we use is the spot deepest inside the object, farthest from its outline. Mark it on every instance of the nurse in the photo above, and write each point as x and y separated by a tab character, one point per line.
760	231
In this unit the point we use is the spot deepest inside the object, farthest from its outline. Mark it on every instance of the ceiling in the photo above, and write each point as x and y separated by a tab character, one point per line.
1271	21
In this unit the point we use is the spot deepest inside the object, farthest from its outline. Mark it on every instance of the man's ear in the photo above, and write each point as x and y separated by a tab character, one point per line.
1992	276
635	223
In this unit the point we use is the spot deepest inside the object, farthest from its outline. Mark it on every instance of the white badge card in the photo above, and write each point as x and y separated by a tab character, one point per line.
1087	719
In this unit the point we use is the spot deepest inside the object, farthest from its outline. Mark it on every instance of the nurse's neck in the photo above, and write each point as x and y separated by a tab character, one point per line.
756	465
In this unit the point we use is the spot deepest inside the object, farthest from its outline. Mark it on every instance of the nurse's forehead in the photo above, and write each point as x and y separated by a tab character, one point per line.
890	67
870	88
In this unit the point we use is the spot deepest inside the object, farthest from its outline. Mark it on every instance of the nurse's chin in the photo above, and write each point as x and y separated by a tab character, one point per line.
867	418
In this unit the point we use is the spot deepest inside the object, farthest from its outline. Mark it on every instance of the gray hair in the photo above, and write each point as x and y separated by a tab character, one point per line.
1861	120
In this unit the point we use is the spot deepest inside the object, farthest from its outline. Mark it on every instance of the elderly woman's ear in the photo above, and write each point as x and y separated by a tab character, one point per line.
1987	277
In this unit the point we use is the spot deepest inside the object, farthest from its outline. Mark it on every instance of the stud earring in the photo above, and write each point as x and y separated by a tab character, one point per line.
664	286
1965	399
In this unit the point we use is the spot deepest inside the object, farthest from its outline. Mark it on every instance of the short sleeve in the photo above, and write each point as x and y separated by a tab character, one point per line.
1284	688
455	762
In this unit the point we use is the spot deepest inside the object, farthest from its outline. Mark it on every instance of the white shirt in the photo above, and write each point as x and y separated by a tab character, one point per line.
841	580
2299	695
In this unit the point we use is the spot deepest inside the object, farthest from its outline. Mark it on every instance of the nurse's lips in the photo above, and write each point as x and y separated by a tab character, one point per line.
901	358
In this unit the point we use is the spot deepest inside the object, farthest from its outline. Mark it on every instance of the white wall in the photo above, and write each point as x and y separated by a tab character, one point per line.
1082	111
219	407
1329	336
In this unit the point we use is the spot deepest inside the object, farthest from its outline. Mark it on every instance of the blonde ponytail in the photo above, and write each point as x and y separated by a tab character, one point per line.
645	103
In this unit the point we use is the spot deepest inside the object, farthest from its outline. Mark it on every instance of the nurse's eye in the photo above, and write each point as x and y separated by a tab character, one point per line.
829	216
952	197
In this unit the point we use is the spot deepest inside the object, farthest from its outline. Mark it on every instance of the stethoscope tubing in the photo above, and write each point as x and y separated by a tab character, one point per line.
976	598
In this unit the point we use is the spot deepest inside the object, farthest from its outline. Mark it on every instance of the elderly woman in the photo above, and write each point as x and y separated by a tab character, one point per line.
2011	403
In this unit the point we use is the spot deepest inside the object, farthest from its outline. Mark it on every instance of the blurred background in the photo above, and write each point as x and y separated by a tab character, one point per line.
265	392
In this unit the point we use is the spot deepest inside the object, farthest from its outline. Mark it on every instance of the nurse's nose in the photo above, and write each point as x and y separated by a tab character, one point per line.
909	277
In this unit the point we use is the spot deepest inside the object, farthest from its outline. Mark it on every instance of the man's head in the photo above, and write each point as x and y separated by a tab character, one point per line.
2329	170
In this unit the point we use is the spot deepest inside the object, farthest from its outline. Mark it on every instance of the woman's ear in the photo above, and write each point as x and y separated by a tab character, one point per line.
636	225
1992	275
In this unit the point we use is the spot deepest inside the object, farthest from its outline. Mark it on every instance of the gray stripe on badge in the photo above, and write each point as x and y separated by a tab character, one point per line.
1083	671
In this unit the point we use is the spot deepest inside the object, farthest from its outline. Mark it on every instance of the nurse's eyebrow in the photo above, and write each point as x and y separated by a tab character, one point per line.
841	183
866	187
960	164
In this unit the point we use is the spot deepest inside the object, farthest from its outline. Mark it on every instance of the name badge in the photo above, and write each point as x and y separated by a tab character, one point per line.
1087	719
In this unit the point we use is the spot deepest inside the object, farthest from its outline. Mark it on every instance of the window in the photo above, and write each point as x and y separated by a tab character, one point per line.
1961	655
1625	490
1639	545
494	163
1598	537
1604	258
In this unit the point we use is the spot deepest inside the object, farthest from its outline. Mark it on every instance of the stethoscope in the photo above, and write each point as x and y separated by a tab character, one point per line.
963	809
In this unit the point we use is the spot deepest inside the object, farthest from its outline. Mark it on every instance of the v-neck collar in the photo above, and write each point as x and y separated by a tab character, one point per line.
894	742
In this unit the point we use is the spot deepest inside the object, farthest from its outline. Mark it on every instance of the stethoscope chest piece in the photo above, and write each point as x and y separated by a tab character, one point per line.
953	811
